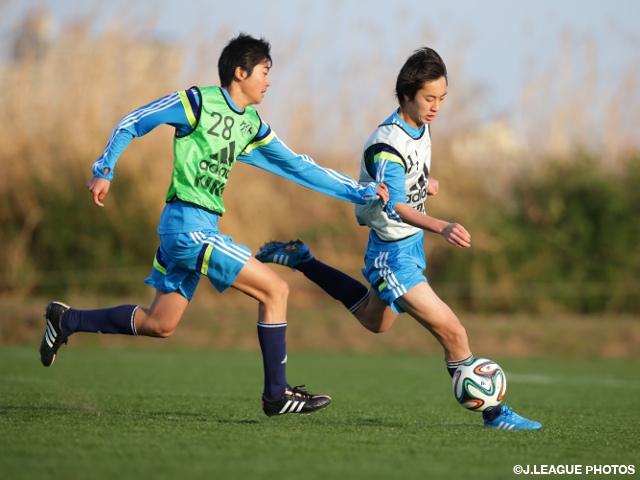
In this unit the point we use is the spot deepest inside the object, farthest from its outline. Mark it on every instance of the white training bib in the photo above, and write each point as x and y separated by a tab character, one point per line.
416	156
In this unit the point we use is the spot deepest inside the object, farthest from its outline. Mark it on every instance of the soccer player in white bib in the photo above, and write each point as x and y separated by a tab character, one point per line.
215	126
398	153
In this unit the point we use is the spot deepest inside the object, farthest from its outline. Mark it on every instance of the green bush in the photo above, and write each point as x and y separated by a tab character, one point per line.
567	237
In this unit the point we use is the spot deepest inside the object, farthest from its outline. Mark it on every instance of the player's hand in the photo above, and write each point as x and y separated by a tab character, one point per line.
455	234
99	187
382	193
433	186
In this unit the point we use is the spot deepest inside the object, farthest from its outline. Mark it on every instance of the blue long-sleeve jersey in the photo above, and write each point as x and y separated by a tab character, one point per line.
180	110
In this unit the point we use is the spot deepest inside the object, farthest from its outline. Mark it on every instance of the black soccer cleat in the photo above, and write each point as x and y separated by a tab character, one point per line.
295	400
53	338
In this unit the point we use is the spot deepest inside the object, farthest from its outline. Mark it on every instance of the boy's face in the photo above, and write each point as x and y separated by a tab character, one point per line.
426	104
255	85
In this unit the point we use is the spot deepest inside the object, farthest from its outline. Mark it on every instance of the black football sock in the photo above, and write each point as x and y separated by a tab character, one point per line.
272	337
340	286
491	415
120	319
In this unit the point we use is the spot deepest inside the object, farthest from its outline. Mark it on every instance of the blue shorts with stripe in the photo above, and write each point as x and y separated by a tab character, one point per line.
393	268
183	257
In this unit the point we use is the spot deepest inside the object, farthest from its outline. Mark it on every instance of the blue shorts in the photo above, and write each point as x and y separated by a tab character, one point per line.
183	257
393	269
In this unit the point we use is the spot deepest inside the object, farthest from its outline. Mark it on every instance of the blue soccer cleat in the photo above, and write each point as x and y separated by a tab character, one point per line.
290	254
510	420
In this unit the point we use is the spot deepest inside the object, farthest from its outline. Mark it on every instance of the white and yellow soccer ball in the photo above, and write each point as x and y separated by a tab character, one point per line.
479	385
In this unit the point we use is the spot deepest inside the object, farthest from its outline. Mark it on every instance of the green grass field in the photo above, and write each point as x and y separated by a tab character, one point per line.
184	414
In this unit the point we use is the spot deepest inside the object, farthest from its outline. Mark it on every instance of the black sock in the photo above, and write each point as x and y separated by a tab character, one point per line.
340	286
118	319
491	415
273	343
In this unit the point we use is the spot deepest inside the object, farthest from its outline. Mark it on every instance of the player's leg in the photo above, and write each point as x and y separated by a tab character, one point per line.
174	278
375	314
62	321
163	316
229	264
422	303
160	320
396	275
296	255
271	291
431	312
172	272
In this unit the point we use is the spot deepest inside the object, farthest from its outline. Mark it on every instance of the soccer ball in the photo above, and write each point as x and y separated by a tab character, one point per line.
479	385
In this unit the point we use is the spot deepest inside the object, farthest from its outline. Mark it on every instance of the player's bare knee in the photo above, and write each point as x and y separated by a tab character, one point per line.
284	290
374	325
166	332
372	328
163	331
157	327
277	293
381	328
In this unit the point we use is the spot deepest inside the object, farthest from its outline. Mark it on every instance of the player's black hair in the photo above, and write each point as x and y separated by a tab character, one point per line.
424	65
242	51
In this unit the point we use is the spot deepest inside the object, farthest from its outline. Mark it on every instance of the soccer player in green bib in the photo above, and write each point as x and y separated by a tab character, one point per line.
215	127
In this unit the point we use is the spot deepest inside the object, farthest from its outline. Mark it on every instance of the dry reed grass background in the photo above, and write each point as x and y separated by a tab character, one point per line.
60	99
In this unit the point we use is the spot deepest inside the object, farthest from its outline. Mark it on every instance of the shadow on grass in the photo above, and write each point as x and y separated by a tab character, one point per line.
47	411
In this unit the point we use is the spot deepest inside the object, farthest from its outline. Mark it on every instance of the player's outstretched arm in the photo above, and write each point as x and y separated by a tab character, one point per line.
168	110
269	153
454	233
99	187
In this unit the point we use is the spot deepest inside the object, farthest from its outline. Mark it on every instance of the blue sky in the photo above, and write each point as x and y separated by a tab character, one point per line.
353	45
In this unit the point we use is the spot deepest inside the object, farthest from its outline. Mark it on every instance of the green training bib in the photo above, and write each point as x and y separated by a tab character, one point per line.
203	159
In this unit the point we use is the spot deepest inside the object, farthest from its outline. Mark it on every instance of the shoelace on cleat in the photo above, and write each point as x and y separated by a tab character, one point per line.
299	391
506	411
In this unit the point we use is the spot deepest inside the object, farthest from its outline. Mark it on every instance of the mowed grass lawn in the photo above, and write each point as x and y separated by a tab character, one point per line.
102	413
